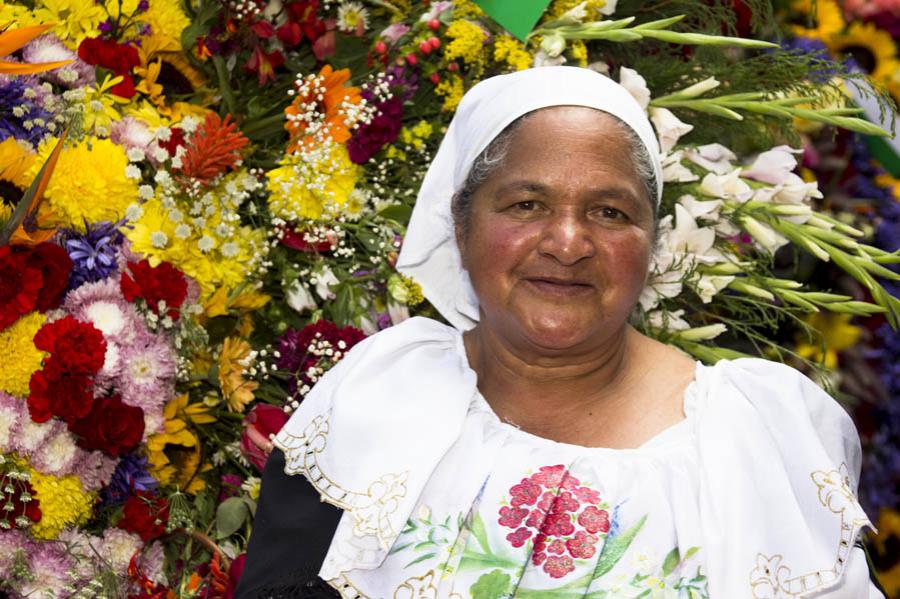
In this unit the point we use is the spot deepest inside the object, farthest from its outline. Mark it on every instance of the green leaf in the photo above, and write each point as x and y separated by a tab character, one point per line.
480	533
200	24
397	212
614	549
230	516
493	585
671	561
420	559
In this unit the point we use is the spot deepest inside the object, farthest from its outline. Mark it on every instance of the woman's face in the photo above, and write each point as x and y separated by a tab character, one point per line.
559	237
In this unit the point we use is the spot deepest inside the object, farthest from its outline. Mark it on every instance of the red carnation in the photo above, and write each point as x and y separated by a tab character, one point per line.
296	239
165	283
260	423
145	514
109	54
176	139
20	286
76	347
55	266
54	392
113	427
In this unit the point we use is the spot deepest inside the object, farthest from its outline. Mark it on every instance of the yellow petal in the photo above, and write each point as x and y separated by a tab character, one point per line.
26	68
13	39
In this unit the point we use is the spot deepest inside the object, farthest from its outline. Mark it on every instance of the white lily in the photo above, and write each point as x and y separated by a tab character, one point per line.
299	298
729	186
675	172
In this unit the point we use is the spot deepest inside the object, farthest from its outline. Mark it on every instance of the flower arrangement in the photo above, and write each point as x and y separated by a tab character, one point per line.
203	203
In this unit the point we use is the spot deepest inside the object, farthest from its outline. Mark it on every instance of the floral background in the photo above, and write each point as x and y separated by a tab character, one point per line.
203	202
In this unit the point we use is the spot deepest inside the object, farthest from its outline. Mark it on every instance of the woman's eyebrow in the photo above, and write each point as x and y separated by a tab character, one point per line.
523	185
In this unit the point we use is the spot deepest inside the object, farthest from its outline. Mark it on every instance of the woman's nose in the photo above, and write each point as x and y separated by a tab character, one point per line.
566	238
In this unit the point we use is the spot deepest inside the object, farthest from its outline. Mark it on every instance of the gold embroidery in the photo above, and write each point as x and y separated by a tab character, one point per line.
371	509
770	579
420	587
346	589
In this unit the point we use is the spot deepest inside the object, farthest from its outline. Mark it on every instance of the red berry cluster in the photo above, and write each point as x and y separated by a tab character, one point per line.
562	518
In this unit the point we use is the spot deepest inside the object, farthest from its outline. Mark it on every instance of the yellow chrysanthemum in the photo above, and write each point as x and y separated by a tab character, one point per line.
829	18
75	19
466	42
873	50
16	340
463	9
64	503
233	362
835	334
89	182
175	455
167	20
511	51
313	184
558	8
18	14
578	51
451	89
15	162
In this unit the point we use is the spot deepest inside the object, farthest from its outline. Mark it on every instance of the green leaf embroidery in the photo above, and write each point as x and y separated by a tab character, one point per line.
493	585
614	549
480	533
671	561
421	558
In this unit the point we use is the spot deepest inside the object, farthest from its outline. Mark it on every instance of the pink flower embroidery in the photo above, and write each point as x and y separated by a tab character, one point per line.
561	517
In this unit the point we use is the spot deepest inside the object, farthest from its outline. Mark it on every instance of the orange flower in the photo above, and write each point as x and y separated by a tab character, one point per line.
308	115
233	361
13	39
214	149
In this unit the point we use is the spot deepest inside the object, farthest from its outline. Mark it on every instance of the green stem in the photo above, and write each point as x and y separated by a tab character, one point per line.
224	84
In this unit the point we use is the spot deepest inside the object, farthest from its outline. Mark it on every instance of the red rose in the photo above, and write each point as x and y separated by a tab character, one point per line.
113	427
109	54
165	283
261	422
20	286
145	514
124	88
54	392
55	266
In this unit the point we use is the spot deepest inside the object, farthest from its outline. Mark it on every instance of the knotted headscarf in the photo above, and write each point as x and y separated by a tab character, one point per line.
430	254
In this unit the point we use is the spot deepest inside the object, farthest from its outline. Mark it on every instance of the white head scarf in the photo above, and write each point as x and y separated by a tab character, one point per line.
429	254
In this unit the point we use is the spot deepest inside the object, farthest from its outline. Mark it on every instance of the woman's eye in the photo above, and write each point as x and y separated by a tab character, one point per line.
613	213
526	206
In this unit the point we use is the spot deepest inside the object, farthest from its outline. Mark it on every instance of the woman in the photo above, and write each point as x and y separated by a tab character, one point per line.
541	446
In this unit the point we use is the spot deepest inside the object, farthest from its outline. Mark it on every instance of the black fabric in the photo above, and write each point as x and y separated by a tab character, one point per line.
291	534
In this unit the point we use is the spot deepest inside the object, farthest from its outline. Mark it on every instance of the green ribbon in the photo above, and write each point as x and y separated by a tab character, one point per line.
516	16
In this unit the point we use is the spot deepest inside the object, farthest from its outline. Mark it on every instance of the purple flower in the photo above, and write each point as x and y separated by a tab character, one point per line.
143	5
93	252
49	48
147	377
382	130
131	475
22	117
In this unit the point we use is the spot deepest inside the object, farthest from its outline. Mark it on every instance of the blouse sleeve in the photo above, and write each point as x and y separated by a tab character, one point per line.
291	534
780	464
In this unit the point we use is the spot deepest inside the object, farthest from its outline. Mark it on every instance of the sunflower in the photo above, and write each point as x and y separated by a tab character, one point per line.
175	454
871	48
15	162
328	113
829	19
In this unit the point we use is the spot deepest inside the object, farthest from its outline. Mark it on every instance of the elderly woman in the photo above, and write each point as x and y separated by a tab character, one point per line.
540	446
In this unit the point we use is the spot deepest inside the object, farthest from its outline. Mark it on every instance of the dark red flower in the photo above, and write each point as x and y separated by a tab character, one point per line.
512	517
176	139
75	347
113	427
594	520
294	348
558	566
124	88
234	575
54	392
297	239
536	518
565	502
290	34
538	557
519	537
164	283
305	15
146	515
109	54
582	545
260	424
14	506
557	546
264	64
55	265
20	286
524	493
587	495
383	129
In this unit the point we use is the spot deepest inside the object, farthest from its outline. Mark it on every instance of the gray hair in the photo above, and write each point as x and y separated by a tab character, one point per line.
494	155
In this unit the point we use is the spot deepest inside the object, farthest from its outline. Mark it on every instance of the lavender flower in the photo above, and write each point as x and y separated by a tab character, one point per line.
49	48
93	252
24	117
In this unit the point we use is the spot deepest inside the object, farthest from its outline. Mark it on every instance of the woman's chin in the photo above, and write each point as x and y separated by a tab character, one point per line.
558	334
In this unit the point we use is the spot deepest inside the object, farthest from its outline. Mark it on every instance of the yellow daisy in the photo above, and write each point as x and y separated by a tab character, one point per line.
75	19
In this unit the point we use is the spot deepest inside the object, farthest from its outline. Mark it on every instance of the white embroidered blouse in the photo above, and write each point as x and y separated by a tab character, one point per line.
752	495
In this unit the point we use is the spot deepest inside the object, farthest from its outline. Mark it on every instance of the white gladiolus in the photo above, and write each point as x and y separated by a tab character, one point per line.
672	321
774	166
703	333
715	158
708	286
324	280
397	311
669	128
636	86
700	88
705	209
729	186
299	298
675	172
553	44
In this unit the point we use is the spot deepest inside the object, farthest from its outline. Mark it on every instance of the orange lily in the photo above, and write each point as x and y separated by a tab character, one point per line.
13	39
